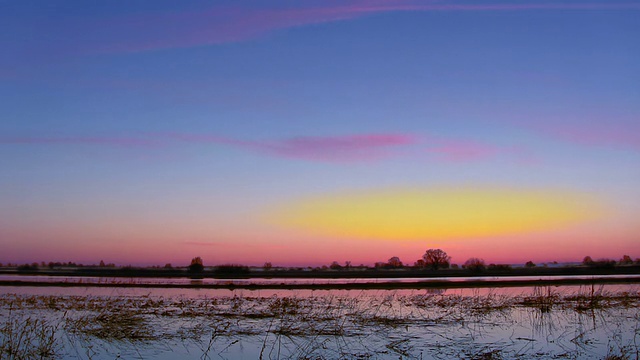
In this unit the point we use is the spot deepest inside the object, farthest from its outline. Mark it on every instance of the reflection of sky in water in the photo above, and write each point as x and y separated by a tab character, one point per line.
199	293
452	323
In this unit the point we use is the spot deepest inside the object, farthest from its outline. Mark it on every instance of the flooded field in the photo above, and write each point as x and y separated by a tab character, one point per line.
598	321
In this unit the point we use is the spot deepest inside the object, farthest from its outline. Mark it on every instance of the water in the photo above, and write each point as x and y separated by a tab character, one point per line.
572	322
293	281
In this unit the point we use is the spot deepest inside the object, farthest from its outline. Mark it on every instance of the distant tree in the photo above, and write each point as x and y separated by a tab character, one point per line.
347	265
499	267
626	260
335	266
232	269
587	260
603	264
267	266
530	264
474	265
196	265
394	263
436	259
102	264
168	266
419	263
28	267
454	266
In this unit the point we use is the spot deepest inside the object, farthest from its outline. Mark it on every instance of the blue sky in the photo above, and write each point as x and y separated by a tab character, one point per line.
119	121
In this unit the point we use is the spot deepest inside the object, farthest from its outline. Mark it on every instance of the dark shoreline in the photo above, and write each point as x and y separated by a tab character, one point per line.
367	273
442	284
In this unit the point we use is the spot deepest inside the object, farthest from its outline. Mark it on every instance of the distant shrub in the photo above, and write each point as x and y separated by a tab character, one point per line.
474	265
500	267
626	260
602	264
530	264
27	267
196	265
231	269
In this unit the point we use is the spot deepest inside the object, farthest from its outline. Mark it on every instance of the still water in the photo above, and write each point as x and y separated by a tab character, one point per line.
572	322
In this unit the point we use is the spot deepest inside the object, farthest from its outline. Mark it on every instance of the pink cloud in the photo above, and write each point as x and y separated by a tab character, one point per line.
232	24
463	150
330	149
593	127
469	150
338	149
352	148
598	136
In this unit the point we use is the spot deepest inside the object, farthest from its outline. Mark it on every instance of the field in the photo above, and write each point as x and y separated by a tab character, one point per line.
589	321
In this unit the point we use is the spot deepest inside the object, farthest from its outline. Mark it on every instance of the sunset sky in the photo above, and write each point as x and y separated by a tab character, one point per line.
303	132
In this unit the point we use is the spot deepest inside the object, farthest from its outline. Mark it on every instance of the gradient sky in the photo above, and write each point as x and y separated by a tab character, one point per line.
302	132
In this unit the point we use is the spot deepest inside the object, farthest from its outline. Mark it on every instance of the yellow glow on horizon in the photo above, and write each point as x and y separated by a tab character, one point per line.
437	213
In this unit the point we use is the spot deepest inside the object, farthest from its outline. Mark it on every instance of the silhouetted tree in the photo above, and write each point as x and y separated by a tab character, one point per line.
436	259
394	263
530	264
587	260
626	260
419	263
267	266
102	264
499	267
335	266
232	269
196	265
347	265
168	266
474	265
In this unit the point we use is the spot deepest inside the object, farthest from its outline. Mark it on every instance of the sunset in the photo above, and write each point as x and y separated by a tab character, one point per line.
319	133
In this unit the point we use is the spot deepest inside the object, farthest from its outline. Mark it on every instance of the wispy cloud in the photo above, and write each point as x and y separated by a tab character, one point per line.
463	150
608	136
352	148
451	150
232	24
337	149
329	149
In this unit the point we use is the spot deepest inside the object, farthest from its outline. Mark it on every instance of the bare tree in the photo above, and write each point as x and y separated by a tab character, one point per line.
626	260
196	265
474	264
394	262
436	259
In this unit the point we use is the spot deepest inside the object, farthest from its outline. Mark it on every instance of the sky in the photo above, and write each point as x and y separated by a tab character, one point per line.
306	132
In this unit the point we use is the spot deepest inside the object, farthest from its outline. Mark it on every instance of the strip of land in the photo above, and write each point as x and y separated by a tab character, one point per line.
386	285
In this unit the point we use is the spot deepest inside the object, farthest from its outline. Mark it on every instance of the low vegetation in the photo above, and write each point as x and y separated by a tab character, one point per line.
356	326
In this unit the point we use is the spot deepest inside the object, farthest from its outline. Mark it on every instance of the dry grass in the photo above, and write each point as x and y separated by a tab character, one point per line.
358	327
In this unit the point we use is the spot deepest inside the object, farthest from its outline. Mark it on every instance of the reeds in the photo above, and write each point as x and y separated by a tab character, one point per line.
328	326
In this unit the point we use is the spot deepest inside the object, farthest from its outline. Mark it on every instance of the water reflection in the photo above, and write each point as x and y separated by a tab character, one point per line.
525	322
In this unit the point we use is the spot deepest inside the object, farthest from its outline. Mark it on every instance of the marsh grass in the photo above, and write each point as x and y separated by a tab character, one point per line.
27	338
427	325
